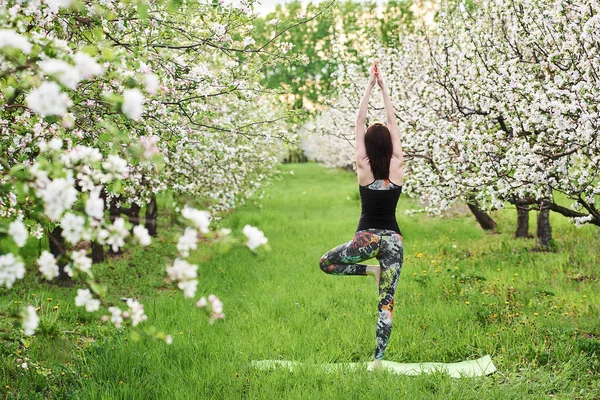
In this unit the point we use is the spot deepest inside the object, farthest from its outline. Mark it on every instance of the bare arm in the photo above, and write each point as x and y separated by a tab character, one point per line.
361	119
391	118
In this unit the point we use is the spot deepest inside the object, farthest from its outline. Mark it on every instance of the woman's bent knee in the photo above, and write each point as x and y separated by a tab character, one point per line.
325	266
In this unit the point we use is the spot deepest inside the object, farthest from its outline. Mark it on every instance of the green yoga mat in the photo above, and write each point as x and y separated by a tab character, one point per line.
480	367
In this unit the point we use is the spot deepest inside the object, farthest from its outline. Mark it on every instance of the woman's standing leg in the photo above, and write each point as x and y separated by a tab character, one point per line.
390	259
343	259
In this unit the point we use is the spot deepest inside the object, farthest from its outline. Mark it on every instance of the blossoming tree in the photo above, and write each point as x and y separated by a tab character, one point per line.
497	103
105	104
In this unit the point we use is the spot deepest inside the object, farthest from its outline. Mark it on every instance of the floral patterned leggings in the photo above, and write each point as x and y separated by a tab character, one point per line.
386	246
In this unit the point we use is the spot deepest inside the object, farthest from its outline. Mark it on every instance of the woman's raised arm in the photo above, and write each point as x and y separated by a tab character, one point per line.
392	124
361	119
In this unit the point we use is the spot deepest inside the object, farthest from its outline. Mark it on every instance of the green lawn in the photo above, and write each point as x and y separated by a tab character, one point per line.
462	294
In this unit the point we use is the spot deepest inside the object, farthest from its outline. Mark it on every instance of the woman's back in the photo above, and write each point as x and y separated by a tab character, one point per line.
378	205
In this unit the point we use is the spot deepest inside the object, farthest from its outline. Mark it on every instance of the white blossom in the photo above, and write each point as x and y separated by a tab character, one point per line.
47	99
86	65
218	29
114	235
66	73
55	144
81	261
133	101
10	38
201	219
47	265
136	312
85	299
19	233
29	321
54	5
151	83
94	206
285	47
188	241
116	166
73	228
188	287
116	316
215	303
185	274
11	269
148	143
81	155
58	196
202	302
255	237
141	233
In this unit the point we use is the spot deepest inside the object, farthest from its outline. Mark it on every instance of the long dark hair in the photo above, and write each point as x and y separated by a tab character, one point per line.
379	150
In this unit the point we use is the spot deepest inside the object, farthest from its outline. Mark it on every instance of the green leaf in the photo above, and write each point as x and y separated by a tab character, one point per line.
100	290
142	9
174	5
117	187
131	83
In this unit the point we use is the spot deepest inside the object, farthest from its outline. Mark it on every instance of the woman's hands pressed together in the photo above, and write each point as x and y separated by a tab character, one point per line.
373	74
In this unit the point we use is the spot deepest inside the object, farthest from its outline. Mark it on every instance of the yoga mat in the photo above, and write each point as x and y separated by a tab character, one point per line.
480	367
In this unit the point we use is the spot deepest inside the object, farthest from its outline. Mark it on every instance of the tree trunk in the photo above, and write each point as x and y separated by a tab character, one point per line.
151	212
486	222
544	230
522	221
57	248
114	211
97	252
134	214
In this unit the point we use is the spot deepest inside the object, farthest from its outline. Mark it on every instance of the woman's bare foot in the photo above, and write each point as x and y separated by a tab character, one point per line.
374	270
376	365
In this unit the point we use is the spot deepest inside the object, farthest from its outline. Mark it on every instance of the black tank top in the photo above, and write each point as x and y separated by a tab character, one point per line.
379	200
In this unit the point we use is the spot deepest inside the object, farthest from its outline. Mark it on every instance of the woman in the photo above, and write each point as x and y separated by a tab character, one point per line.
379	162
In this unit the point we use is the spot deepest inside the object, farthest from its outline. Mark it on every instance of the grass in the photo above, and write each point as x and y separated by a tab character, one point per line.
463	293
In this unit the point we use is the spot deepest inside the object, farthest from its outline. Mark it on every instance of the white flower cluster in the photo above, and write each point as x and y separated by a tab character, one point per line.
11	269
47	99
216	307
201	219
58	195
10	38
81	262
85	299
76	164
133	103
188	241
141	233
114	235
485	113
19	233
47	265
256	237
185	275
70	75
135	313
29	321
